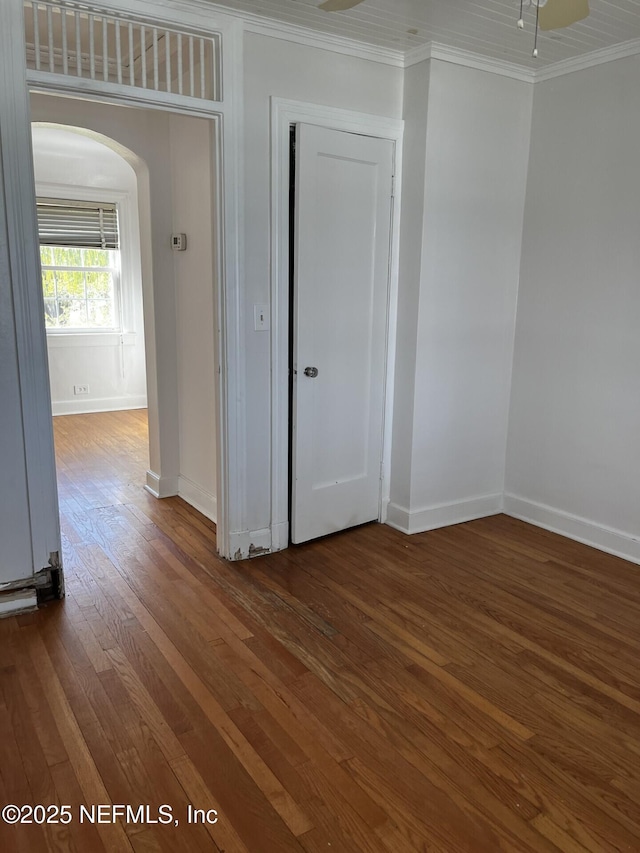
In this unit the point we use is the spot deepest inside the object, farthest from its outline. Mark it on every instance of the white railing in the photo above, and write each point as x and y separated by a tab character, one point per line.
95	45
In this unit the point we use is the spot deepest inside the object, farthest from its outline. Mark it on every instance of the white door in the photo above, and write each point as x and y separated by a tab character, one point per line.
342	243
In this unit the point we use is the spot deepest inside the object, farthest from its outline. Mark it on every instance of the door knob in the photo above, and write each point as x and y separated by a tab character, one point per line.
311	372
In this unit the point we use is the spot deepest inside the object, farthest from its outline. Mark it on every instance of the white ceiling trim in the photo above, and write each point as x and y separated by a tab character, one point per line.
386	56
324	41
401	59
313	38
470	60
588	60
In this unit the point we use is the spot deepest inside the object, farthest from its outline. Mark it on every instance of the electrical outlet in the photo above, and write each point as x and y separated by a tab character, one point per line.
80	389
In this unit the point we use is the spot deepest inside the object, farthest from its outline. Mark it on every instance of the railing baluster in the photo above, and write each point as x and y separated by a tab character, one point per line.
214	67
65	52
105	49
36	34
167	58
192	82
143	55
87	31
179	37
202	76
52	58
92	50
132	70
155	59
78	44
118	53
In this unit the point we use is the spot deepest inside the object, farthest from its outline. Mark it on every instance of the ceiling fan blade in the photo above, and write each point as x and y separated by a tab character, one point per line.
339	5
556	14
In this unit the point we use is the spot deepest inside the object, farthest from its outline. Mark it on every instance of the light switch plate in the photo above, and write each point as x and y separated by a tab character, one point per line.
261	317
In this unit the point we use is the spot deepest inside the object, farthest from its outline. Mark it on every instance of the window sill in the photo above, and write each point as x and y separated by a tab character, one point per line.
90	339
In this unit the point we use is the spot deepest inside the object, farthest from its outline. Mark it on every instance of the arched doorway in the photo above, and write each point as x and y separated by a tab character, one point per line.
170	158
92	246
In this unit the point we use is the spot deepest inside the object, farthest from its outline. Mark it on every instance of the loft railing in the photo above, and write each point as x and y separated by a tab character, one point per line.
100	48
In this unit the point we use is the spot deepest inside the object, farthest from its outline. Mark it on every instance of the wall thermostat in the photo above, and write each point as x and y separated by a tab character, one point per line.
179	242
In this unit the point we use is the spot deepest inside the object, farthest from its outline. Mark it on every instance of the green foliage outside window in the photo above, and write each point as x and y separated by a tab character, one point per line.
79	288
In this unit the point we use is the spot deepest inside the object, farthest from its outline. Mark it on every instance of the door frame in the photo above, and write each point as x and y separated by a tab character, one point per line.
284	113
227	231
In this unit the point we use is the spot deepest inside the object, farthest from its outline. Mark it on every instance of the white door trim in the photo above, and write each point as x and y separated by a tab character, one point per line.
228	224
284	113
23	255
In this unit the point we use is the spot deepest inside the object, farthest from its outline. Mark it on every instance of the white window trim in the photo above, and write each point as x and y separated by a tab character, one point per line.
123	284
116	277
92	339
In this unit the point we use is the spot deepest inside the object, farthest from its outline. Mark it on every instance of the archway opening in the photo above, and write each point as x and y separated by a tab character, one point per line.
92	246
174	160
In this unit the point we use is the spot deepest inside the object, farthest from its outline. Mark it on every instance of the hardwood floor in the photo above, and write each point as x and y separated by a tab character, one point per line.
471	689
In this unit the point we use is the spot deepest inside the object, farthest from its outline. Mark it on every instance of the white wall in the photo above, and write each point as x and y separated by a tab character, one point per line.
458	285
112	365
574	414
191	165
286	70
415	111
574	436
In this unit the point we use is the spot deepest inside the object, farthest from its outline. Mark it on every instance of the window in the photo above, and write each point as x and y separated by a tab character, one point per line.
80	257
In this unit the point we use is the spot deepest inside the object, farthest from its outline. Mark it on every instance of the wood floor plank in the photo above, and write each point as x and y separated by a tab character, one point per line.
79	755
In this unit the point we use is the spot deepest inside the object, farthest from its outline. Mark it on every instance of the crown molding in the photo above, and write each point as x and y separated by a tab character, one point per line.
205	13
418	54
519	72
400	59
456	56
588	60
324	41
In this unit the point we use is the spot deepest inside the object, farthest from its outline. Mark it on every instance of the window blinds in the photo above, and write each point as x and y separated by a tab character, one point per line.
85	224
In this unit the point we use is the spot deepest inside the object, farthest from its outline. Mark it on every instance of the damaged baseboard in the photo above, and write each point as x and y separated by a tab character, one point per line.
27	594
18	601
246	544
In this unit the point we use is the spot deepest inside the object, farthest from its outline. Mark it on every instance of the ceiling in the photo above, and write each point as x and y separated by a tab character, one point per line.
487	27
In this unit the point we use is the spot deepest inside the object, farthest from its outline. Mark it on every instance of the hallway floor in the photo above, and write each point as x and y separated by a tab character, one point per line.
470	689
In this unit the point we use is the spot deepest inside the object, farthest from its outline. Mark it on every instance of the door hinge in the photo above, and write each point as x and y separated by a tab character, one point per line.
393	186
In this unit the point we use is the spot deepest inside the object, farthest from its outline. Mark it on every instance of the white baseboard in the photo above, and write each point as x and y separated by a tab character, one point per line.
20	601
616	542
280	536
84	406
442	515
245	543
199	498
161	487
